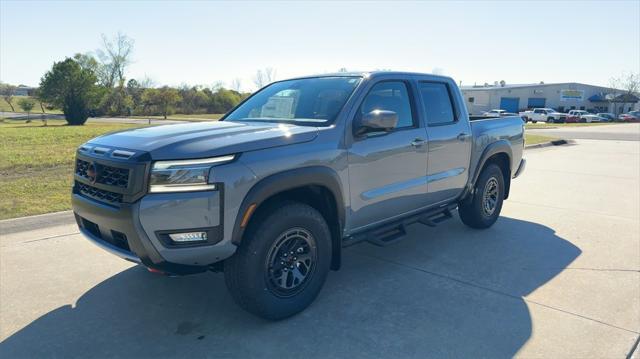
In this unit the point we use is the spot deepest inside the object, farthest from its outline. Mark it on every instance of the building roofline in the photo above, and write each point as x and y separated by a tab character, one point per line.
498	87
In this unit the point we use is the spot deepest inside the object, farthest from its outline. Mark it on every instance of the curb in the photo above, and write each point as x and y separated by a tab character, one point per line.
14	225
550	143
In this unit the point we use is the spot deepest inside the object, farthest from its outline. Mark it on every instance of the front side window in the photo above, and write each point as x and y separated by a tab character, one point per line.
437	103
312	100
390	96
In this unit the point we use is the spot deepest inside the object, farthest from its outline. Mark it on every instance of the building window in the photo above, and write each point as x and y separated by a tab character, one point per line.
582	108
471	99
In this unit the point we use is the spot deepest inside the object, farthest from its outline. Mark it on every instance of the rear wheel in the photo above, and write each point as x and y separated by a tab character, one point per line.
282	263
550	120
483	208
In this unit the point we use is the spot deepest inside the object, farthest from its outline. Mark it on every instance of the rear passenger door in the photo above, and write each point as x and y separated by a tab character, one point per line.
387	170
449	146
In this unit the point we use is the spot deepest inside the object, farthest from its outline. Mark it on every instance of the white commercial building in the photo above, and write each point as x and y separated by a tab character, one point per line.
561	96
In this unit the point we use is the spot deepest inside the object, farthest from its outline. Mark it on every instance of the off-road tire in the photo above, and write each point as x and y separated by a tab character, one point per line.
471	210
247	273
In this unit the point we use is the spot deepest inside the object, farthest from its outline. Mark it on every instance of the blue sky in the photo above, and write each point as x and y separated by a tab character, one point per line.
205	42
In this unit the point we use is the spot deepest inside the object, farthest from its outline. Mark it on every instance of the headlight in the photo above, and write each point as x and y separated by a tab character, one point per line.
183	176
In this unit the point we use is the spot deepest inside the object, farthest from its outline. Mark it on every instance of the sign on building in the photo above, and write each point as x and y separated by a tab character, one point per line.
571	95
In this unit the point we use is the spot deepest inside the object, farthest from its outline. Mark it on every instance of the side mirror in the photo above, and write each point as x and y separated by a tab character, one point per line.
376	121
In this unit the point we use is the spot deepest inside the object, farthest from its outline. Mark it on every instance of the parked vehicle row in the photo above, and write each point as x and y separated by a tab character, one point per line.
550	115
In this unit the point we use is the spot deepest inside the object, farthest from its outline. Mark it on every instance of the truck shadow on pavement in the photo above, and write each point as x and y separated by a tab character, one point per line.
443	292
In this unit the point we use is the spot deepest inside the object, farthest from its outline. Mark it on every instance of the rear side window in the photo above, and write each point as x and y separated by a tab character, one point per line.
437	103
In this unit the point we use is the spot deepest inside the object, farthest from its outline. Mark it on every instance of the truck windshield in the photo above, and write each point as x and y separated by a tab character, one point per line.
312	100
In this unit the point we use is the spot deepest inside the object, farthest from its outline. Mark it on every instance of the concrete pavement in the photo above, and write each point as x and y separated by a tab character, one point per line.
557	276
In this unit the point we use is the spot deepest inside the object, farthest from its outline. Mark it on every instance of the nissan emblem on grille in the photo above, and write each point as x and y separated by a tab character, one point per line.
96	172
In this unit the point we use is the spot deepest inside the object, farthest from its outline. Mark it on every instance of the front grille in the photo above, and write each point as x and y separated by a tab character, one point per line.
105	174
99	194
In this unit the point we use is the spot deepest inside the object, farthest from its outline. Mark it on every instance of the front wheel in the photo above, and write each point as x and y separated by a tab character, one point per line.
282	263
550	120
483	208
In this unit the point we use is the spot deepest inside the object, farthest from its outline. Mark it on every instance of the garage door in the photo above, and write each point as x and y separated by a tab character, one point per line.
510	104
534	102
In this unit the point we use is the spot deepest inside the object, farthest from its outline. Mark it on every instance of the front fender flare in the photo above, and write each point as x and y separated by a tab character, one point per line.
287	180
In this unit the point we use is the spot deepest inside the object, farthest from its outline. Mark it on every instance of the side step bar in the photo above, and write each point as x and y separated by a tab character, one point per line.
394	232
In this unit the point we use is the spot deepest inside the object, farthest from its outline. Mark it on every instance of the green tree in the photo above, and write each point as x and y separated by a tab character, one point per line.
27	104
163	100
135	91
7	92
222	100
193	99
70	87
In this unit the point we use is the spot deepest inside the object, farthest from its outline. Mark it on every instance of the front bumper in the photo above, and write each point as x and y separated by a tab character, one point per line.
135	231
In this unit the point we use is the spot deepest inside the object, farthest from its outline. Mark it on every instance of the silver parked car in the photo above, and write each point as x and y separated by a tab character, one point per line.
606	116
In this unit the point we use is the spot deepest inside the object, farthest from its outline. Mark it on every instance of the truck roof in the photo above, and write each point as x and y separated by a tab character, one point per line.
372	74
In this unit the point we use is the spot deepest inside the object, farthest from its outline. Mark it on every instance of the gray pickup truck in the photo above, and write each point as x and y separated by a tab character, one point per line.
272	192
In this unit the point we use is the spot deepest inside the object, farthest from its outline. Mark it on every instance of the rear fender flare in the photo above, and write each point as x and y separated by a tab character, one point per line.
500	146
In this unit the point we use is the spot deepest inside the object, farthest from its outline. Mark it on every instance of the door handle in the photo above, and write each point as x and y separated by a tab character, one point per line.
462	136
418	142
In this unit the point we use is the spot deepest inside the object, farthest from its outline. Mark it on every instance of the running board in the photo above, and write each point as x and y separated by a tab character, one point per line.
396	231
388	237
434	219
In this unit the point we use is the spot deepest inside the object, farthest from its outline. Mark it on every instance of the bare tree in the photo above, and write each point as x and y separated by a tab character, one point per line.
627	87
115	57
258	79
236	84
264	77
270	74
8	91
146	82
217	86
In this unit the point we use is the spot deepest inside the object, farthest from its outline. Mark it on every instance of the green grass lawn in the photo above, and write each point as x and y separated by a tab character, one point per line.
539	125
530	139
36	164
4	106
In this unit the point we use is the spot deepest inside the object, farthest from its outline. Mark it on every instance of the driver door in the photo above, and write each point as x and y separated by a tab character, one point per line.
387	170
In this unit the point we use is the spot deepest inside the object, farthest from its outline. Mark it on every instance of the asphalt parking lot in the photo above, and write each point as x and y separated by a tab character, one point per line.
557	276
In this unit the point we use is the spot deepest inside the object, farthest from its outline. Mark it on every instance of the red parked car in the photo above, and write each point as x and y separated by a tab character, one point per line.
632	116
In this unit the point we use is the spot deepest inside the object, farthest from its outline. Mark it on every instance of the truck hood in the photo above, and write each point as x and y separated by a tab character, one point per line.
205	139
